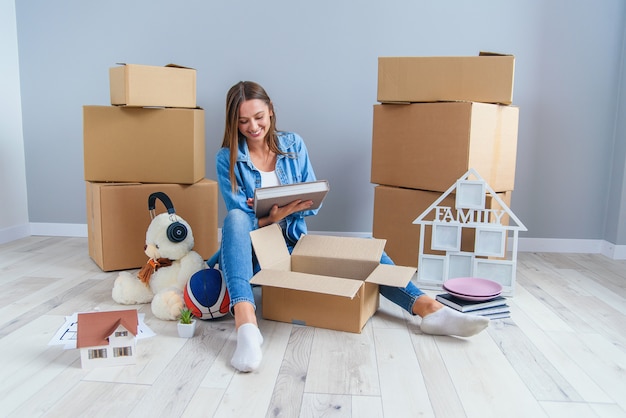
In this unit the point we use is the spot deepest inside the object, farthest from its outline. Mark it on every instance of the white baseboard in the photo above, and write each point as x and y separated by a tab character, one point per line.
14	232
616	252
551	245
537	245
557	245
42	229
58	230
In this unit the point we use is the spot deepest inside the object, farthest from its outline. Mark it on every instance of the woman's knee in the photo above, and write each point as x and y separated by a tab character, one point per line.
236	214
237	219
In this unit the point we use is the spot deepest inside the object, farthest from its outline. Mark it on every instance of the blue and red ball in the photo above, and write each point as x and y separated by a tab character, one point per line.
206	294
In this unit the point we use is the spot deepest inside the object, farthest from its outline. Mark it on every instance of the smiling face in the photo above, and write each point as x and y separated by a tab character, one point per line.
254	119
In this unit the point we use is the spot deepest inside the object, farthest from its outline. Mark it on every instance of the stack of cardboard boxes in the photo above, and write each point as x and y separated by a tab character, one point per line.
437	118
150	139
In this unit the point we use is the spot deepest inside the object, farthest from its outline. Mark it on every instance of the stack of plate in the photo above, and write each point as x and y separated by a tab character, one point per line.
473	288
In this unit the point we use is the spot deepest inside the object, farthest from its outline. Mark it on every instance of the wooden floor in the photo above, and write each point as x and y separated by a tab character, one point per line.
562	354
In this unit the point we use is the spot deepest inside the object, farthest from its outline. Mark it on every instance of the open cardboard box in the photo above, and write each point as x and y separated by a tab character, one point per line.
326	282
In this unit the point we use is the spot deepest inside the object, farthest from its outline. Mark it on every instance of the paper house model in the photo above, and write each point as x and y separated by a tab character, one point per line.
490	259
107	338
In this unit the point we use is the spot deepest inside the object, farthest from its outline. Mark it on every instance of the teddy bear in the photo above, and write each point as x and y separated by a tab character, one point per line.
171	263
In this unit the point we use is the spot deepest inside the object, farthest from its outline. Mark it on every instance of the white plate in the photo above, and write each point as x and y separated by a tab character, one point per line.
473	286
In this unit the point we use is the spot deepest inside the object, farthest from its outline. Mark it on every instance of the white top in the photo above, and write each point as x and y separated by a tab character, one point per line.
269	178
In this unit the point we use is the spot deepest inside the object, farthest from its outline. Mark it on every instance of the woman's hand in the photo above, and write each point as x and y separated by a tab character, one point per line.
277	213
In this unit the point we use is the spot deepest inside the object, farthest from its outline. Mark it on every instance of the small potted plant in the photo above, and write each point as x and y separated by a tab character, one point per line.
186	324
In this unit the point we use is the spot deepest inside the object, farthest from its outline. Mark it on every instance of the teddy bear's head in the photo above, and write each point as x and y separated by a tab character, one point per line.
175	245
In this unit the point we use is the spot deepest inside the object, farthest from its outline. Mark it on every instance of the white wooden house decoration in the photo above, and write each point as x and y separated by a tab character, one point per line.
490	260
107	338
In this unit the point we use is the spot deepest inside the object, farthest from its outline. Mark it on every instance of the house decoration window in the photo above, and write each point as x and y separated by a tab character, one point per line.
95	353
490	242
446	237
121	333
470	194
122	351
433	267
460	265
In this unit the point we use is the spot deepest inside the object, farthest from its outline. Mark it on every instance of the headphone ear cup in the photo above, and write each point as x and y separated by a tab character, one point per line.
176	232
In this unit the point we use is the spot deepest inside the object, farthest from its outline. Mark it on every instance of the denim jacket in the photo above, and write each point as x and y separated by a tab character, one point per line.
295	167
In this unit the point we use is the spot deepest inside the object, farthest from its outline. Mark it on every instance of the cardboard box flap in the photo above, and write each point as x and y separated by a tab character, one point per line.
270	248
118	184
349	258
333	266
179	66
340	248
307	282
167	65
391	275
493	54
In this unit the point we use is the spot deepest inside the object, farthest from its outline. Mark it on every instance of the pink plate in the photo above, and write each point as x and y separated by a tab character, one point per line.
473	286
473	298
459	293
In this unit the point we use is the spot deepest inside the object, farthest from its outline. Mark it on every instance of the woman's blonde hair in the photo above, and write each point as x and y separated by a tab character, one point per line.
239	93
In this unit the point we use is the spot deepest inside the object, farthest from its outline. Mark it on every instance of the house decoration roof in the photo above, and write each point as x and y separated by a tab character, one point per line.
94	328
466	179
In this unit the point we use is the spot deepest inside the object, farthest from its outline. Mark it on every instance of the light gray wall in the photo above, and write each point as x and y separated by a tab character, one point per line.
318	61
13	203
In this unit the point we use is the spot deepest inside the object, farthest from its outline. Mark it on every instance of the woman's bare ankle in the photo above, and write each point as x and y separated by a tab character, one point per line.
425	305
244	314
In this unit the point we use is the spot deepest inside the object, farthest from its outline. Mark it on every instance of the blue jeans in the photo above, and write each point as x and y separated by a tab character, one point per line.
238	264
404	297
237	261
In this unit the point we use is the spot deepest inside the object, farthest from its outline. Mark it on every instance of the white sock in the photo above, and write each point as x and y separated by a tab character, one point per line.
447	321
248	353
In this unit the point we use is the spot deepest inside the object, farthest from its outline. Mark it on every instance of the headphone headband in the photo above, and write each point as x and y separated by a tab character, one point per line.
176	231
163	198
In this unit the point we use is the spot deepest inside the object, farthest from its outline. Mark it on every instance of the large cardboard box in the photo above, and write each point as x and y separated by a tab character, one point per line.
327	281
396	208
429	146
147	85
144	145
118	218
485	78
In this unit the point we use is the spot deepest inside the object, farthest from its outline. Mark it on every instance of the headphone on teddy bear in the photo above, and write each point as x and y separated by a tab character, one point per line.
176	232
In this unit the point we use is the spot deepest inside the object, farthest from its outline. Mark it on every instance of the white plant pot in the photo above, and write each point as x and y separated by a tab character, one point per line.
187	330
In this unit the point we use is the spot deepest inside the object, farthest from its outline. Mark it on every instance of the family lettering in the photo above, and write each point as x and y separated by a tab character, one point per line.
469	216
